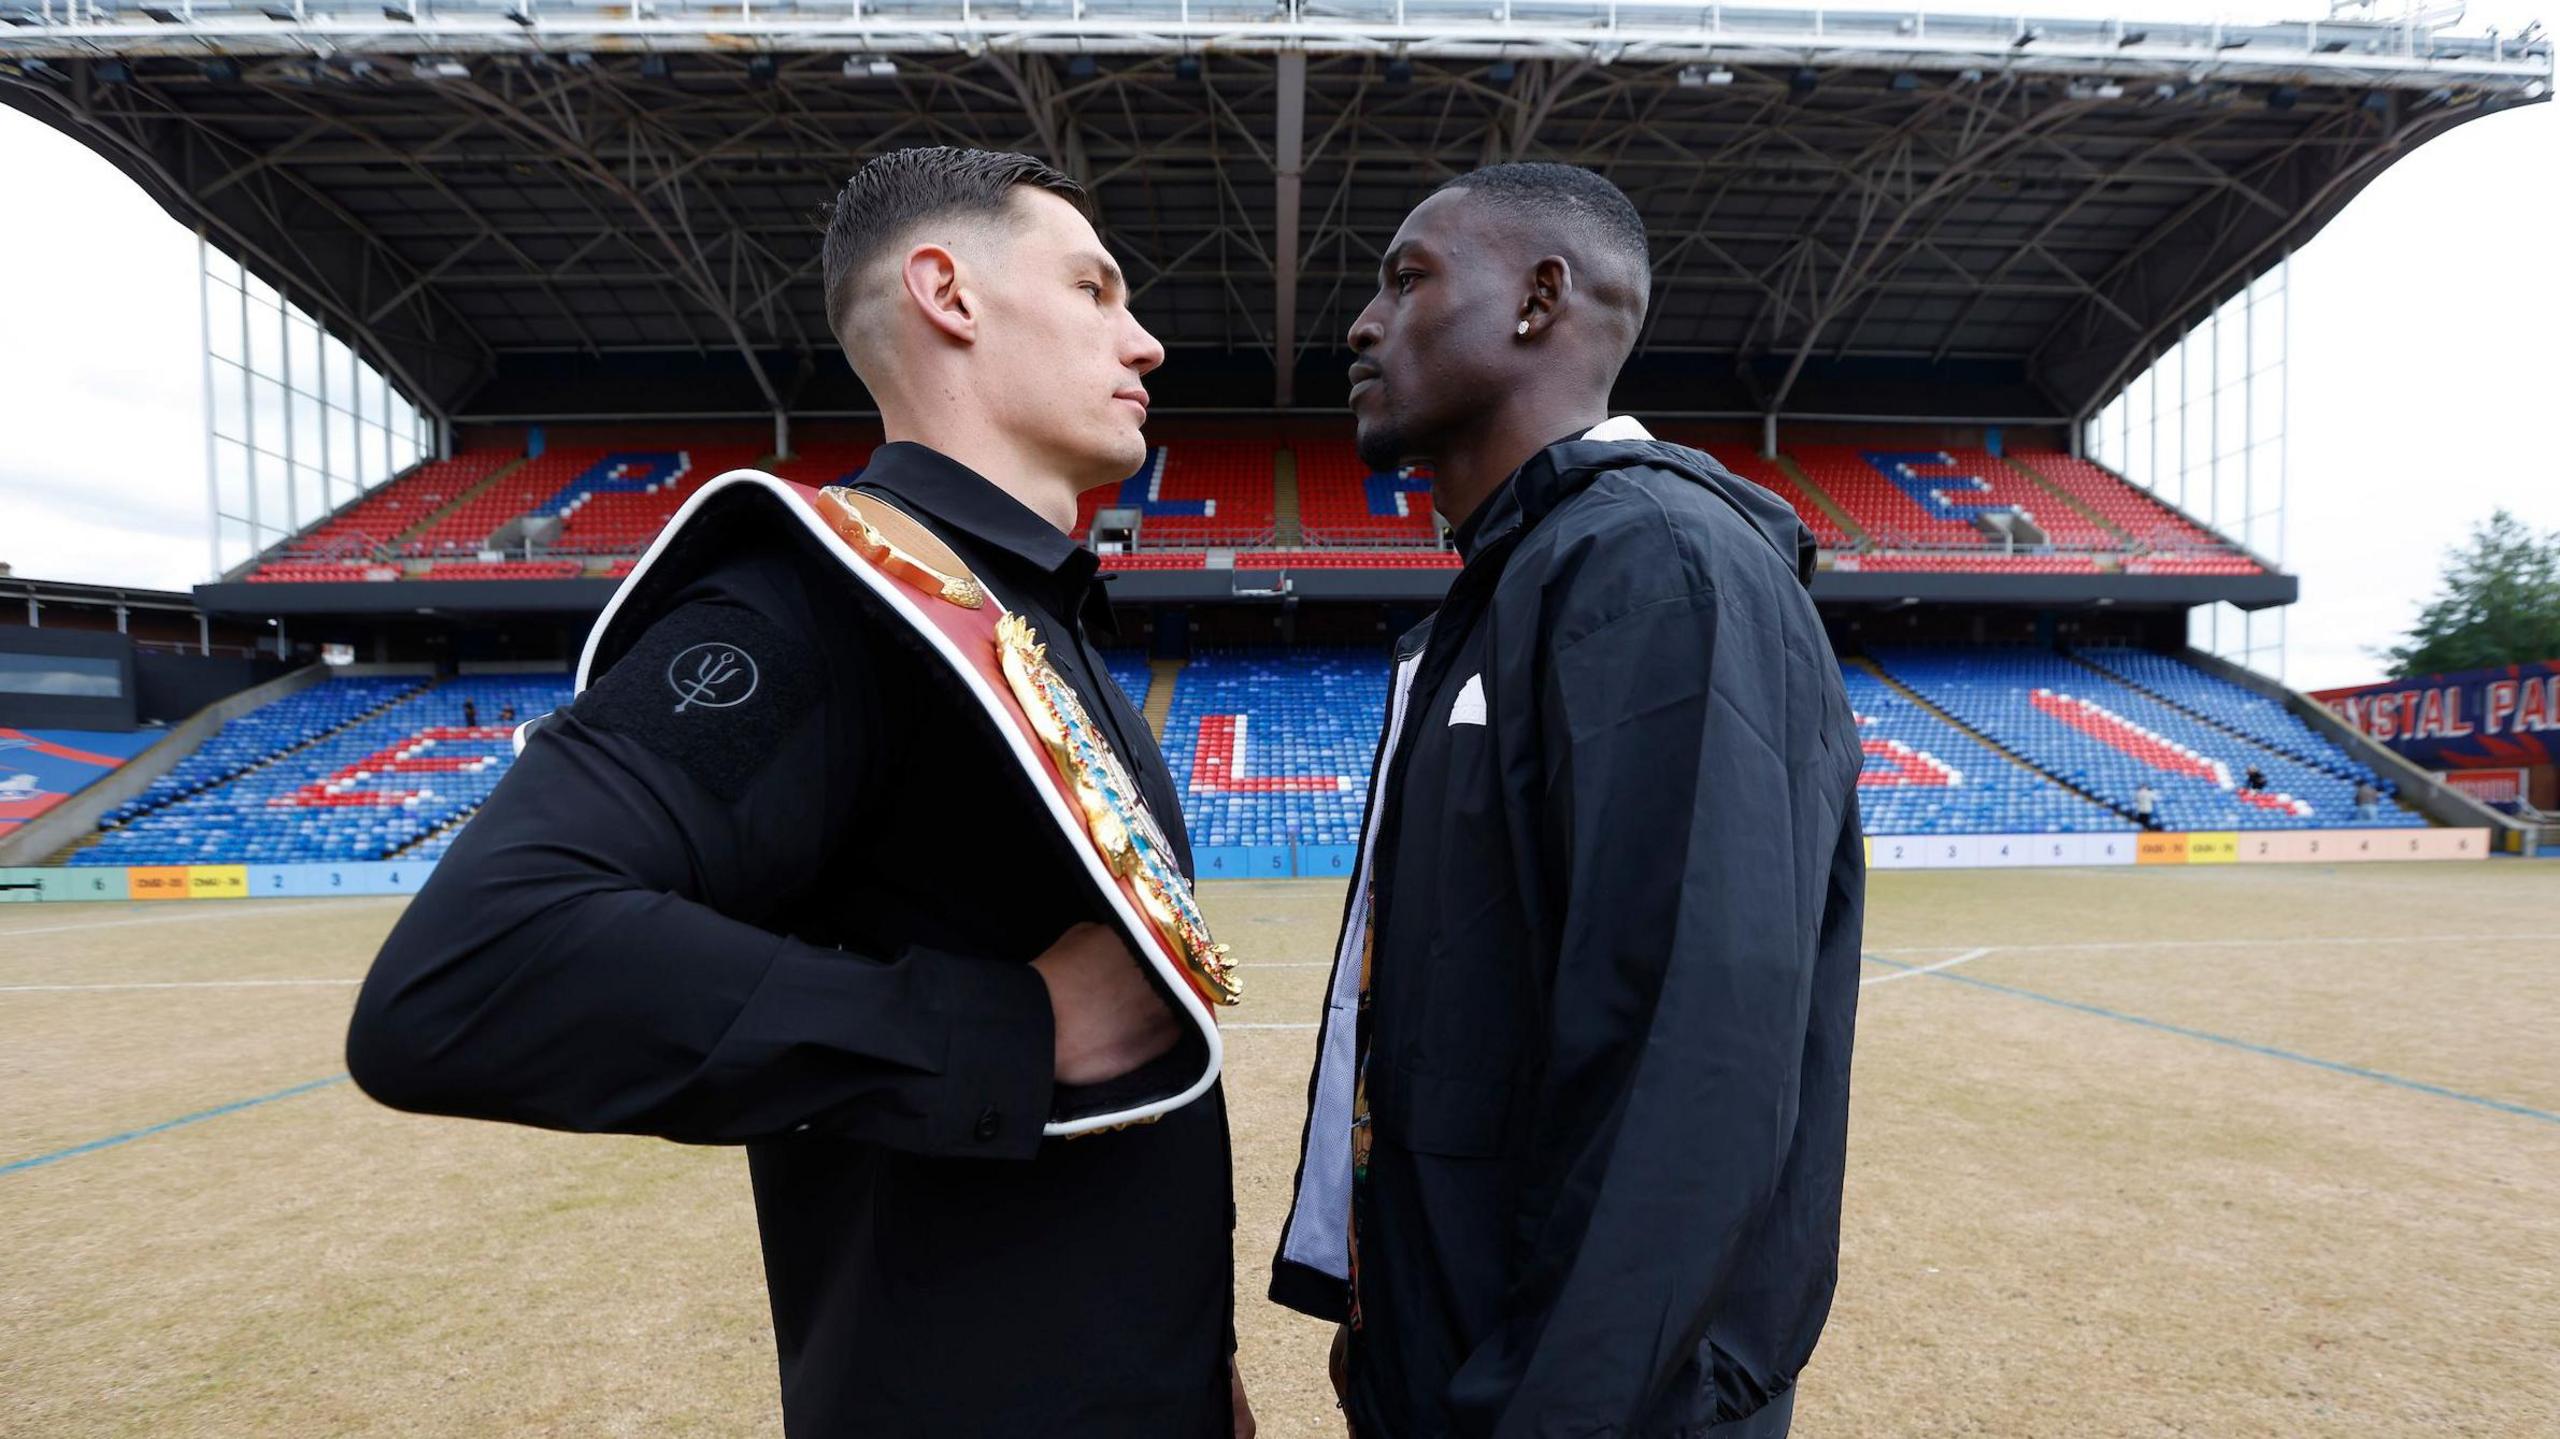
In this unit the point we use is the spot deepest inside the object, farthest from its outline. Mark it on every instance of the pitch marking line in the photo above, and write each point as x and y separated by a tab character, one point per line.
1967	956
173	984
2247	1046
201	1115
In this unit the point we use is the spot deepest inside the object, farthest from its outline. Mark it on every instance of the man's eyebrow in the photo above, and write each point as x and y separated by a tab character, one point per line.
1398	252
1096	260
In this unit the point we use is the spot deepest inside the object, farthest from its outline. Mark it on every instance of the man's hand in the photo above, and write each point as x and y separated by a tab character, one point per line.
1235	1390
1108	1016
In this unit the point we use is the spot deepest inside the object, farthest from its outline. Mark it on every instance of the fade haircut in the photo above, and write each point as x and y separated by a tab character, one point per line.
898	191
1567	196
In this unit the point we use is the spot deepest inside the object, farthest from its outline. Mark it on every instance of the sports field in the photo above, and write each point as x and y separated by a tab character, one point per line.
2203	1151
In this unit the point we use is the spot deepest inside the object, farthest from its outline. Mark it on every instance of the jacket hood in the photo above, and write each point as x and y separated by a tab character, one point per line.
1561	471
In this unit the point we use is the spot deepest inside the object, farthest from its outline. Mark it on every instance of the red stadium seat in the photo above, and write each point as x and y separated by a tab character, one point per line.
371	524
1337	506
1229	479
2152	524
506	570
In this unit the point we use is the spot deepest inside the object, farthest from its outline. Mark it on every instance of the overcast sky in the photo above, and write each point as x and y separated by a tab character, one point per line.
2424	388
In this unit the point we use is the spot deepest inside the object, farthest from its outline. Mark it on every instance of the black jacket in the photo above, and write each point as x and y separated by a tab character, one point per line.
1619	885
796	916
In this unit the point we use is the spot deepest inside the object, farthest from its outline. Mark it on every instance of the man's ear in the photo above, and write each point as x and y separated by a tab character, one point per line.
1550	281
933	284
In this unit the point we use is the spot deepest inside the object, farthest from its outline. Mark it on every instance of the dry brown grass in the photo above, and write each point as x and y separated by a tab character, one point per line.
2058	1223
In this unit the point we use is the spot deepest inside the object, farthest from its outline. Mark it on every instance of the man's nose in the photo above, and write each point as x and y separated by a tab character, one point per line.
1146	352
1368	330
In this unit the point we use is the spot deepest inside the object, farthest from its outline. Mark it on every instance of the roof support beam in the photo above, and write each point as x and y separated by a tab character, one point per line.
690	268
1288	164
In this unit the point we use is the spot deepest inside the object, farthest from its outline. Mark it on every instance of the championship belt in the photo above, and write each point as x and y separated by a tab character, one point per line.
1041	724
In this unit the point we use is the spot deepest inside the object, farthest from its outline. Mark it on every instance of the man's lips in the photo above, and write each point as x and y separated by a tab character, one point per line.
1363	379
1134	397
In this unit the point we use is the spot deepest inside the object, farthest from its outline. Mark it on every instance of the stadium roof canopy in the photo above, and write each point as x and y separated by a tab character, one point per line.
539	207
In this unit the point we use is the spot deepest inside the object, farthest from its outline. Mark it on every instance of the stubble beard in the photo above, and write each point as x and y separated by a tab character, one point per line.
1384	447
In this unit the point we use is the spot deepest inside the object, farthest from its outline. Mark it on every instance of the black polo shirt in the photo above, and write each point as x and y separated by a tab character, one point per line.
790	904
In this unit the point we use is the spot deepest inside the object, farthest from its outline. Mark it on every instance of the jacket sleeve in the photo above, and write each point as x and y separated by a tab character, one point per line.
601	949
1676	887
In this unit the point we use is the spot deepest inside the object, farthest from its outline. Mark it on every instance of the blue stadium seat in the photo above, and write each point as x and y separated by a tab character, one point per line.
350	769
2107	738
2232	706
1295	769
1925	776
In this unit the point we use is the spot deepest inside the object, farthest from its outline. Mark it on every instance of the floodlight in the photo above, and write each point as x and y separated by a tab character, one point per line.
222	70
112	72
1186	67
1903	80
164	14
441	70
1804	80
2283	97
2026	37
394	12
762	69
1082	67
2375	103
1503	72
655	67
1400	71
2132	37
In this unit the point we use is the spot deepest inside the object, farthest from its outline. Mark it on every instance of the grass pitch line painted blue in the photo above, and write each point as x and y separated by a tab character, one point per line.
201	1115
2418	1086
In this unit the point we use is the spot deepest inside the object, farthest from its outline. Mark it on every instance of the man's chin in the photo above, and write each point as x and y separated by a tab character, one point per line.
1383	448
1110	464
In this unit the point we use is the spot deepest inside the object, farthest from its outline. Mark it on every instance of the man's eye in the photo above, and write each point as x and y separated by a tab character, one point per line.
1092	289
1405	280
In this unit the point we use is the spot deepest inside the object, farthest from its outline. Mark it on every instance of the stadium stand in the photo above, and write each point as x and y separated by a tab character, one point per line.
622	509
1348	560
466	530
1928	498
1272	747
1925	776
2106	738
506	570
1194	493
2228	706
371	524
1341	501
2191	565
266	733
1945	563
1207	487
1773	477
319	571
350	769
2150	523
1191	561
828	463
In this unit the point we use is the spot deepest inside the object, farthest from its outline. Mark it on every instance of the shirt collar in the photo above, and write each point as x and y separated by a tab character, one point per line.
1618	427
1503	504
968	505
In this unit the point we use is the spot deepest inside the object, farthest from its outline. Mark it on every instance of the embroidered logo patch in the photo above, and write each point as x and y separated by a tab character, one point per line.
715	676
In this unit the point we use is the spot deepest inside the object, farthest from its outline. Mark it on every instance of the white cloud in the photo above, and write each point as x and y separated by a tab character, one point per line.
101	381
2424	388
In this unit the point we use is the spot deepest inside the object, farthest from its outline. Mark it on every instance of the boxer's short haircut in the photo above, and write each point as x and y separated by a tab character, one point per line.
889	197
1567	196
